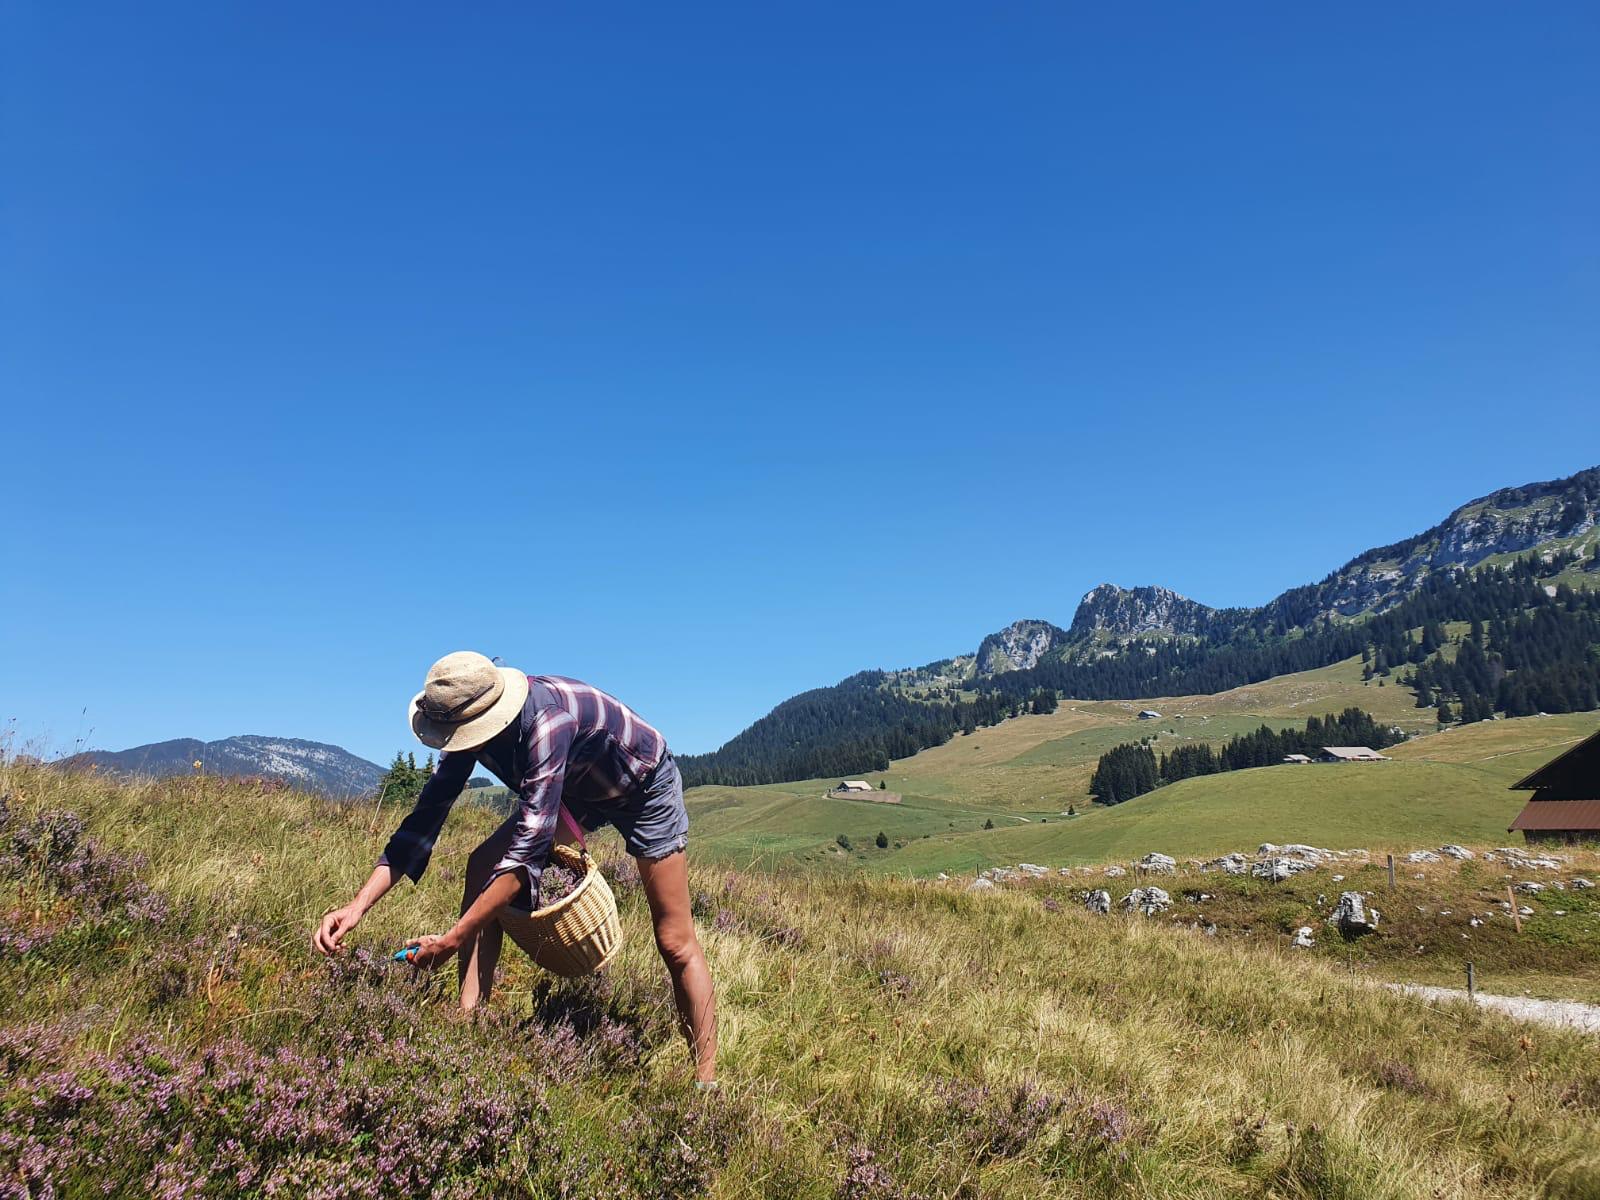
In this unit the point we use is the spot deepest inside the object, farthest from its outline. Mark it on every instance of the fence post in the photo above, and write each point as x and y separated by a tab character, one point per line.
1472	981
1391	872
1516	917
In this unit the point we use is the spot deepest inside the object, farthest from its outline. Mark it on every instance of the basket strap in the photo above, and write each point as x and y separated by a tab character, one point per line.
565	819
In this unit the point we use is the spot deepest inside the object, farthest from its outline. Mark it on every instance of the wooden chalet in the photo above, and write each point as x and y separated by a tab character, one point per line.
1565	806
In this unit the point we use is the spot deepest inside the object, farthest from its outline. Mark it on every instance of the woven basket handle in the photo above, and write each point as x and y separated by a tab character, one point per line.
566	820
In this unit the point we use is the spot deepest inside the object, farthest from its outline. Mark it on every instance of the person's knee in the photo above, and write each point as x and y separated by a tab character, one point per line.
481	862
677	943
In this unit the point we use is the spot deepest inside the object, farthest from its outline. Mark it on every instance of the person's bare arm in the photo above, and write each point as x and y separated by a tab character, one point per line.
431	951
331	931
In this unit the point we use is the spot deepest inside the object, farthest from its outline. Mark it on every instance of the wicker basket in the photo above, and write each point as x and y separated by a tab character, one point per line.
580	933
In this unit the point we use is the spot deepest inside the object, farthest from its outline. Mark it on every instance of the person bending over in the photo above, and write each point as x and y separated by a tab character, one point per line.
552	741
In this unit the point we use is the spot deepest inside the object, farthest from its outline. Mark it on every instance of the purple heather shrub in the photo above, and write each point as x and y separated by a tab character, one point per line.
901	987
1051	904
51	856
725	921
622	872
1002	1123
556	883
866	1179
1106	1123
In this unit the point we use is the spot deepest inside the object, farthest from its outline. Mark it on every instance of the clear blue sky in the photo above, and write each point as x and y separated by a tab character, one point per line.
711	353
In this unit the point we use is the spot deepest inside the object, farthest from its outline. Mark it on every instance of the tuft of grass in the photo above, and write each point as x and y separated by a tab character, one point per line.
880	1038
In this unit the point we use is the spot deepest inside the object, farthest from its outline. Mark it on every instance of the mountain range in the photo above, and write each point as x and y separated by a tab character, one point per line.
1507	522
312	766
1127	643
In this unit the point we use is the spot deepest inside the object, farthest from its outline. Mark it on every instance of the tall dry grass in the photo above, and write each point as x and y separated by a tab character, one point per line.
879	1038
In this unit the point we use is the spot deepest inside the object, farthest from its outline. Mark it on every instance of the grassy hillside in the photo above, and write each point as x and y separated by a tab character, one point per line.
164	1028
1023	774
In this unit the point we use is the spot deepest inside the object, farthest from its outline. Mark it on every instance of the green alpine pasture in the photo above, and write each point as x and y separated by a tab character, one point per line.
1000	796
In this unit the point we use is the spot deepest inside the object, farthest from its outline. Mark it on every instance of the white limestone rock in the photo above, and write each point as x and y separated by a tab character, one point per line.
1460	853
1303	939
1147	900
1276	870
1353	915
1158	864
1097	901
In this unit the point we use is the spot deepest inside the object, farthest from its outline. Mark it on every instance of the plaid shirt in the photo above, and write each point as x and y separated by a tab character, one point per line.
571	742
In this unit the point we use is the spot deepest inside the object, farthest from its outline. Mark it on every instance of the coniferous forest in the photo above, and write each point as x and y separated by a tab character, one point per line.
1134	769
1527	651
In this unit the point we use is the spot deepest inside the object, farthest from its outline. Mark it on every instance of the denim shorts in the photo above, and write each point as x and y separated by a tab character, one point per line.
652	820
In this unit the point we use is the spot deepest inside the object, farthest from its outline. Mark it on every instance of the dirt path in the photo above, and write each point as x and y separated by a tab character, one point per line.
1565	1014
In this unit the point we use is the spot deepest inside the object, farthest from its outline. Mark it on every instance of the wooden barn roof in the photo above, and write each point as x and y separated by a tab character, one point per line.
1577	770
1558	814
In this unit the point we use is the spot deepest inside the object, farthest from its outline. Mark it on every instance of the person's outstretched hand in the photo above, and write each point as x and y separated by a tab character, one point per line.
334	925
431	951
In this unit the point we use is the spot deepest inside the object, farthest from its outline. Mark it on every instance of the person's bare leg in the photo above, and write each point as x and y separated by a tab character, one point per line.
478	959
476	963
666	886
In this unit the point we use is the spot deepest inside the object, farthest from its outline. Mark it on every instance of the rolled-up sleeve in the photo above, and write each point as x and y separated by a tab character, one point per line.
411	846
550	741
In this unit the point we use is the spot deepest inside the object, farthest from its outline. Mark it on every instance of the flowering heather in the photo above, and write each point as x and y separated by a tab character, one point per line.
622	873
866	1179
53	866
881	1039
556	883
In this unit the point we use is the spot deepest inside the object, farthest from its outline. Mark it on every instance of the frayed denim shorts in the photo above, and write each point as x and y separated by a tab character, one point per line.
652	820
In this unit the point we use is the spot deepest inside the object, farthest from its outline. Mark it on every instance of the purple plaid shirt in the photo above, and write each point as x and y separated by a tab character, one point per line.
571	742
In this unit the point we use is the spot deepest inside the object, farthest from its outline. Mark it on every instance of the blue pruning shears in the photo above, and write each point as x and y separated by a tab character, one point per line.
407	954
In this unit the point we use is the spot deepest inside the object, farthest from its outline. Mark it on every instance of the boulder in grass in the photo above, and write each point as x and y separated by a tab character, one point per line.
1228	864
1276	870
1303	939
1147	900
1158	864
1115	872
1423	856
1300	850
1530	888
1582	884
1352	914
1097	901
981	885
1033	869
1460	853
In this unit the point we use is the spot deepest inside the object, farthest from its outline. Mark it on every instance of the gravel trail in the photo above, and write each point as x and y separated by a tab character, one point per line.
1564	1014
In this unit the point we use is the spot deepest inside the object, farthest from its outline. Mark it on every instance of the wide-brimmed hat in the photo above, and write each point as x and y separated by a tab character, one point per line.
466	701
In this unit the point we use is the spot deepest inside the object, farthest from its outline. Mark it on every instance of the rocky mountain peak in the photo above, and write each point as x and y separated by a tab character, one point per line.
1129	612
314	766
1017	647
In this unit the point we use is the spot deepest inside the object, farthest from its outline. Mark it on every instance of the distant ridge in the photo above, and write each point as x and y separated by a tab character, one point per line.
1126	643
313	766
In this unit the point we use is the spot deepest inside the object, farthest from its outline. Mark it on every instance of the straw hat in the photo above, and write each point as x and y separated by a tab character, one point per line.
466	701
